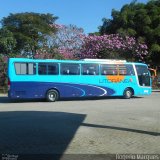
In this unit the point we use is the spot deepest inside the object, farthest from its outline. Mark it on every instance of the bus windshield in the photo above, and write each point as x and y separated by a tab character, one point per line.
143	75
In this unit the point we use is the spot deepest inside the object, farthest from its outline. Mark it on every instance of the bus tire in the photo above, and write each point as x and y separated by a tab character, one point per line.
52	95
127	94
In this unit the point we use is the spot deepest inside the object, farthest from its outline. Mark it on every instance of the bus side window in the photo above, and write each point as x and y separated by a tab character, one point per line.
122	69
31	68
47	68
104	72
25	68
42	69
90	69
108	69
52	69
17	68
129	70
70	69
85	72
113	72
66	71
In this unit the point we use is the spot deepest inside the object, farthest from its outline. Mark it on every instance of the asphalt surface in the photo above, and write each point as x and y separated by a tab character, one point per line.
90	126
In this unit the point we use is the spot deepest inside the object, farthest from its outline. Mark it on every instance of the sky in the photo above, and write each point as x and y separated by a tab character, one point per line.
86	14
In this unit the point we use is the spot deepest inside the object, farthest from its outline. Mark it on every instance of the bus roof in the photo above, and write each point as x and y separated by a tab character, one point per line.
102	61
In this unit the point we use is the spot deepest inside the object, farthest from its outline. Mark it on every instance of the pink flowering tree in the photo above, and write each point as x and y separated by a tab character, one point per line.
113	46
68	40
64	44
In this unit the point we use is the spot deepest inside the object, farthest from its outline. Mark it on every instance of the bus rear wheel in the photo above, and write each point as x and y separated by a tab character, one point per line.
52	95
127	94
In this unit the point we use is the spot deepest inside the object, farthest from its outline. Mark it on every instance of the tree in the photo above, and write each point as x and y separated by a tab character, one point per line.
68	40
29	30
64	44
113	46
139	20
7	42
3	71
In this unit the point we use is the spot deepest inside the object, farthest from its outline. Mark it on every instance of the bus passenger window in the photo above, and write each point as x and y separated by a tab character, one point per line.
52	69
70	69
66	71
104	72
130	70
21	68
90	69
109	69
42	69
25	68
47	69
122	69
17	68
31	68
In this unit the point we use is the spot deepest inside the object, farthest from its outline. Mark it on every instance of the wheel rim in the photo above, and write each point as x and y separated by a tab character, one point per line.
52	96
128	94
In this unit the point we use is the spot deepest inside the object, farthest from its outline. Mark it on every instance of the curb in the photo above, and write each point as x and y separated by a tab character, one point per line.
2	95
156	90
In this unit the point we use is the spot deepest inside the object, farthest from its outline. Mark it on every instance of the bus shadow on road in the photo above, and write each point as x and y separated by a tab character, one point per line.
37	132
7	100
122	129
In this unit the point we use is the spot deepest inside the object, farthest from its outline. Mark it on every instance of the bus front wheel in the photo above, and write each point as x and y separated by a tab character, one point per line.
127	94
52	95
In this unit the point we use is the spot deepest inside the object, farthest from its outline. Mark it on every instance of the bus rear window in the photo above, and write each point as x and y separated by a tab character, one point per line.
25	68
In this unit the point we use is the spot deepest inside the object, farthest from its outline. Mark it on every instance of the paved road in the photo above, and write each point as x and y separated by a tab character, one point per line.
81	126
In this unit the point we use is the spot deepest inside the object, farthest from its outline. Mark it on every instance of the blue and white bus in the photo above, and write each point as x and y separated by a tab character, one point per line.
54	79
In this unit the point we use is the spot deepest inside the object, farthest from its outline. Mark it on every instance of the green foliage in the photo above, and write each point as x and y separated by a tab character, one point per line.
30	30
59	56
139	20
7	41
3	73
155	48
